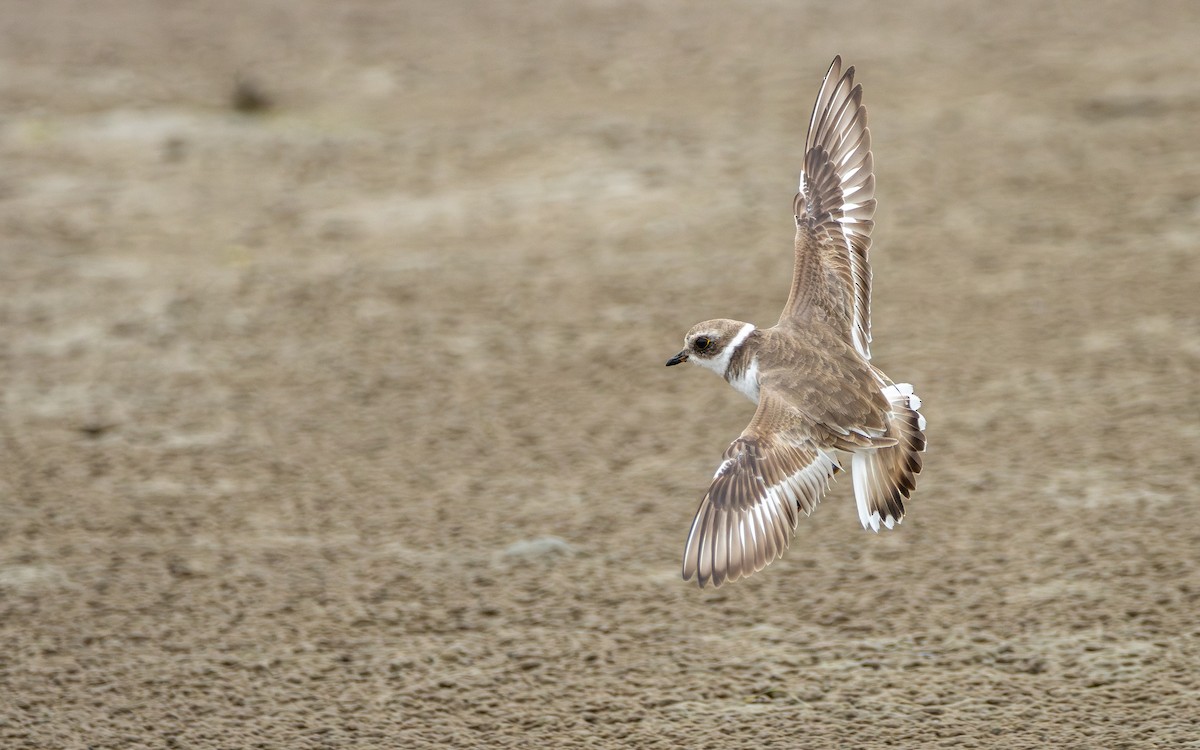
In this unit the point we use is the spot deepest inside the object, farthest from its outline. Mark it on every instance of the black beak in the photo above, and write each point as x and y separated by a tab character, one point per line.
680	357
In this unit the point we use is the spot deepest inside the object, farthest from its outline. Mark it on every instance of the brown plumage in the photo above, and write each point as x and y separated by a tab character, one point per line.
817	392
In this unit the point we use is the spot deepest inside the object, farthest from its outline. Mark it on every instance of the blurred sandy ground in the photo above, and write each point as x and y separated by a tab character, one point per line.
340	419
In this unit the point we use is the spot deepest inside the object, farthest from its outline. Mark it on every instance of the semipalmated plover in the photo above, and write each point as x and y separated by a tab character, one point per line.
819	397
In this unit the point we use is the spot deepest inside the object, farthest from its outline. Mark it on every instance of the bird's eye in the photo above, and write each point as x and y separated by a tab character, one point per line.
702	343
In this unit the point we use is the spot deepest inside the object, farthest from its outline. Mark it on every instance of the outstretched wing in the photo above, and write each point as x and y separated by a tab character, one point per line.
834	211
747	517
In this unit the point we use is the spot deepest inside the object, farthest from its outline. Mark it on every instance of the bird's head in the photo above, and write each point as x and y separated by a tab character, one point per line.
711	344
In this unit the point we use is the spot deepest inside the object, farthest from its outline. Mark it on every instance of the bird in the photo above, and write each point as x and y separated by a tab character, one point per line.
820	400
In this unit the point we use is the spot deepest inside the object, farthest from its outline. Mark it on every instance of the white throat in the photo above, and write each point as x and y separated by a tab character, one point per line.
720	365
747	383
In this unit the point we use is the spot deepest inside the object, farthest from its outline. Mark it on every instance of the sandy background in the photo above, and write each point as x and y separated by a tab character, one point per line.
298	400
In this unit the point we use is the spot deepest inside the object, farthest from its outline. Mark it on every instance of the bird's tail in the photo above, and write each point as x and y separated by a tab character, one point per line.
885	477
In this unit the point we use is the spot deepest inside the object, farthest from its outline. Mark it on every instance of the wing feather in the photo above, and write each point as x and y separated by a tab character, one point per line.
747	517
834	213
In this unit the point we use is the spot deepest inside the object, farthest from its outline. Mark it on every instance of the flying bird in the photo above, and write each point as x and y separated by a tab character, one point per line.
820	400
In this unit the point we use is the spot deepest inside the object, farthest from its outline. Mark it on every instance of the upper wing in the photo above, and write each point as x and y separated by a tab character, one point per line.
747	517
834	211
